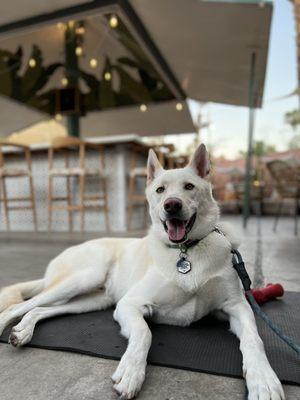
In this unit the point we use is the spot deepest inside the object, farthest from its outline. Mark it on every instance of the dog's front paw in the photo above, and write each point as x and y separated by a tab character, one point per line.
263	384
129	377
19	337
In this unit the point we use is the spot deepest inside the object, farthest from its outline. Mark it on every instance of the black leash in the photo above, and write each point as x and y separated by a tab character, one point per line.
184	266
239	266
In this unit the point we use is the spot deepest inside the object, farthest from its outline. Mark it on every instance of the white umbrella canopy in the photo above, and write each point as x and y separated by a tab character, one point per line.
206	46
15	116
15	10
158	119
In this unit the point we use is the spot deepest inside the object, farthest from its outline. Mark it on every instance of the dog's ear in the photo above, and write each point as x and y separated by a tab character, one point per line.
153	166
200	161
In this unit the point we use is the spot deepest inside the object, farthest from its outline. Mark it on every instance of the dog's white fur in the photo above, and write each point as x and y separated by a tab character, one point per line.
140	277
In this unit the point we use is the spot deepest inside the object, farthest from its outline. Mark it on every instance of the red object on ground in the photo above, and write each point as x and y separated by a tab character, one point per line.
271	291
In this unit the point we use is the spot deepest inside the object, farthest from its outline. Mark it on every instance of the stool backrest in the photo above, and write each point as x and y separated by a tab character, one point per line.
66	145
23	149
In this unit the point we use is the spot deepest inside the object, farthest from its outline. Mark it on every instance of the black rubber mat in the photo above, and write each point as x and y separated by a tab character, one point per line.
205	346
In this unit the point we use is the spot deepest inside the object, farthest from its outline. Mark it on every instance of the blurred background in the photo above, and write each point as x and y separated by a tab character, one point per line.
86	88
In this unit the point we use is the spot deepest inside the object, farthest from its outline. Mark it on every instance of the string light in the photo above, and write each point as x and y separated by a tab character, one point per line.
64	81
107	76
143	107
32	63
93	62
179	106
78	51
113	21
58	117
80	30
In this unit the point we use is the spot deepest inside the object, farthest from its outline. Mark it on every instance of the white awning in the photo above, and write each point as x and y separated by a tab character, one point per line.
15	116
208	44
16	10
159	119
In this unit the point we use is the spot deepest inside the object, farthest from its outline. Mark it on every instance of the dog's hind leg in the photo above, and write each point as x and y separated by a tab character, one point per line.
19	292
22	333
60	291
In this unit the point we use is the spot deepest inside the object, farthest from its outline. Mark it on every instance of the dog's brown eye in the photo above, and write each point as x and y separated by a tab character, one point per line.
160	189
189	186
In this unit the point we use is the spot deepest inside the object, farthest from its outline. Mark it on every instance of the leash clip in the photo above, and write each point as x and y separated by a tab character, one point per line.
239	266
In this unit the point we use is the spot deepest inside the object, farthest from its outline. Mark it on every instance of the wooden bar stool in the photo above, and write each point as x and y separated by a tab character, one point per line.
66	147
136	174
9	173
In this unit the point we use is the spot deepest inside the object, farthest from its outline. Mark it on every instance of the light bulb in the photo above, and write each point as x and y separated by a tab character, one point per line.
78	51
113	21
80	30
32	63
107	76
179	106
143	107
64	81
93	62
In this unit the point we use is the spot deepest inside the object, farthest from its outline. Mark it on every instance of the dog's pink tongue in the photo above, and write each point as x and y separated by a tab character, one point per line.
176	229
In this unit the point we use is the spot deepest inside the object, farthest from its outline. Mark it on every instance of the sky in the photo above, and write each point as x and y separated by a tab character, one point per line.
228	130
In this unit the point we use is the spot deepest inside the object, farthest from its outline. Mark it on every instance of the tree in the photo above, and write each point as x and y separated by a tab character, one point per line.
294	143
260	149
292	118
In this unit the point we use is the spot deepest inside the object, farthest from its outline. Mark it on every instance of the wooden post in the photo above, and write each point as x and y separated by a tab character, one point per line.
248	170
71	71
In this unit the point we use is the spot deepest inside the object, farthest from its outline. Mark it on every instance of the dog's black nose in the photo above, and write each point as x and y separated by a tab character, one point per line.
172	205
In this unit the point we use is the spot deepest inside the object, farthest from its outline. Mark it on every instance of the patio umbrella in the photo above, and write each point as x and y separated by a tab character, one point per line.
205	50
27	116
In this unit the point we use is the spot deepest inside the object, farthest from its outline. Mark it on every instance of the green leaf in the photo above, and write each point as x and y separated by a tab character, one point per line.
5	77
128	85
32	75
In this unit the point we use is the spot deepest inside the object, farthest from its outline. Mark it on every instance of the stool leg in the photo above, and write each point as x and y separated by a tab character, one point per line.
69	199
81	199
5	204
50	196
33	204
106	210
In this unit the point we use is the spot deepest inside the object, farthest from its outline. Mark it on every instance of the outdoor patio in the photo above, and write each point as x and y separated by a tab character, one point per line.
87	88
42	374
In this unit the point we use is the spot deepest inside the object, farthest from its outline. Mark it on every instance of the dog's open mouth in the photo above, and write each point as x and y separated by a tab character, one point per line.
177	229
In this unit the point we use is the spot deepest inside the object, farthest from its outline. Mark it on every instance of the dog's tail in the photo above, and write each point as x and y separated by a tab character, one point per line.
19	292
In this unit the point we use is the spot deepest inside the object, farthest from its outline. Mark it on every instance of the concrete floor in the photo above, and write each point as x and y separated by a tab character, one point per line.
41	374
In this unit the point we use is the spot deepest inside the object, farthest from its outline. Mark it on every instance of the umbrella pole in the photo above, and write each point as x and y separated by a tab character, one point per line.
247	188
71	71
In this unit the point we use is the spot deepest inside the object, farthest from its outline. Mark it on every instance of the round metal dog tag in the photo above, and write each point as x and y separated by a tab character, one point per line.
184	266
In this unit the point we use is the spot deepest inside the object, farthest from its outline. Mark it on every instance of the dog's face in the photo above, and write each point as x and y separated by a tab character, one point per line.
180	200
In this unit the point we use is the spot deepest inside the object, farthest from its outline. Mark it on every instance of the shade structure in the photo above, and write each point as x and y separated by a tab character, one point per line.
201	48
15	116
158	119
208	45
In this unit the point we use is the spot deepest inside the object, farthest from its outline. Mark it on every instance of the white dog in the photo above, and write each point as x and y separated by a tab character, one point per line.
181	271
